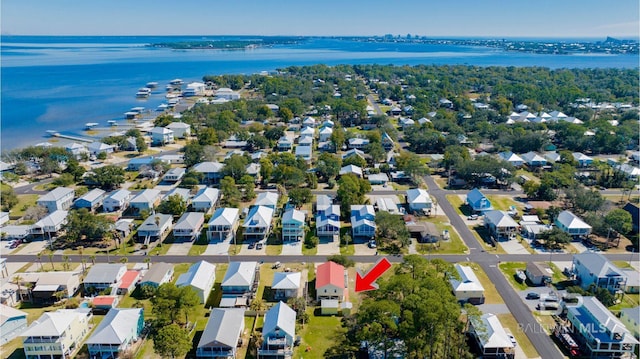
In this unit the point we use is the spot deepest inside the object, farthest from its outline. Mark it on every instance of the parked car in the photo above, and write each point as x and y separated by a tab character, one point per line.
472	217
259	245
276	265
372	244
513	339
533	295
252	245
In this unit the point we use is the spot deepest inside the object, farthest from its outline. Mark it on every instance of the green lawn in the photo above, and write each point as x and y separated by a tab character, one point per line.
530	175
458	204
199	246
491	295
623	264
509	271
347	250
318	335
24	202
502	203
628	301
510	322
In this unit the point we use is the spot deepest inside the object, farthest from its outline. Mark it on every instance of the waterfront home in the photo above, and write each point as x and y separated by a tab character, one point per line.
257	225
327	217
43	288
117	201
598	332
537	273
57	334
490	336
500	224
267	199
128	282
194	89
116	333
161	136
363	223
183	193
293	223
351	169
477	201
12	323
205	200
146	200
159	274
96	148
227	94
240	278
593	268
77	150
188	226
583	160
533	159
467	288
278	332
419	200
223	224
222	335
91	200
201	277
630	317
331	281
49	225
211	171
102	276
180	129
56	199
174	174
572	224
155	227
515	160
286	285
135	164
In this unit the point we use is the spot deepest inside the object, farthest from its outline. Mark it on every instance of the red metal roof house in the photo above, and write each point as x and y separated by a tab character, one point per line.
331	281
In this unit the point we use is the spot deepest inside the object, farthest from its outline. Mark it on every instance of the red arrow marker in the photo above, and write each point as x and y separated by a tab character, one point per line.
367	282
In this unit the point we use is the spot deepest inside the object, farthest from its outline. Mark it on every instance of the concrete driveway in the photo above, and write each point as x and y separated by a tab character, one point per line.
328	247
218	248
292	248
180	248
513	247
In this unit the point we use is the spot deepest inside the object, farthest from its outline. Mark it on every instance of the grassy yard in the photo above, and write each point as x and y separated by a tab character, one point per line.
491	294
628	301
24	202
530	175
510	322
347	250
318	335
623	264
480	232
509	271
458	204
502	203
199	246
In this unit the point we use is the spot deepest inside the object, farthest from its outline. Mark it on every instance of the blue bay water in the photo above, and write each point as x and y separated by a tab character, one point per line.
61	83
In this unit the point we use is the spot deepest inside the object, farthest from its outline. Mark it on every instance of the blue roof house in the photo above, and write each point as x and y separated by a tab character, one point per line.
477	201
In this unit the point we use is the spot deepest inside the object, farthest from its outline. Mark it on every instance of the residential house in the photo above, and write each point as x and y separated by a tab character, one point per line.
49	225
128	282
60	198
12	323
117	201
102	276
467	288
293	223
477	201
406	123
512	158
378	179
211	171
116	333
630	317
267	199
631	172
306	136
634	211
180	129
240	278
57	334
583	160
223	224
222	335
42	288
331	281
353	152
253	170
387	204
135	164
77	151
146	200
161	136
598	332
537	273
16	232
327	217
278	332
176	159
183	193
572	224
552	156
285	143
491	337
104	303
174	174
96	148
363	221
194	89
351	169
159	274
500	224
387	142
357	143
419	200
309	122
305	152
227	94
533	159
201	277
91	200
188	226
325	134
155	227
593	268
286	285
257	225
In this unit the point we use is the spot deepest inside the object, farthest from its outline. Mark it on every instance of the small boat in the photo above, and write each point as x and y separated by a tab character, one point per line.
130	115
152	85
112	123
52	132
176	82
521	276
138	109
162	107
143	92
90	125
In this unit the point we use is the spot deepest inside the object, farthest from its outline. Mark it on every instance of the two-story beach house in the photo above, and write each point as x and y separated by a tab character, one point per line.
161	136
327	218
211	171
117	201
363	223
593	268
188	226
293	223
205	200
286	285
419	200
257	225
278	332
57	334
331	281
116	333
223	224
91	200
60	198
102	276
500	225
572	224
200	277
155	227
222	335
477	201
146	200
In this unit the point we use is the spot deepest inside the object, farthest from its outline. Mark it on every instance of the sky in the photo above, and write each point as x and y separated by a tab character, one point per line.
432	18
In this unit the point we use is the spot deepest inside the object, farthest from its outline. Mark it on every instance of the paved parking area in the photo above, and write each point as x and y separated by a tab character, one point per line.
328	247
253	251
513	247
579	247
180	248
30	248
292	248
363	249
218	248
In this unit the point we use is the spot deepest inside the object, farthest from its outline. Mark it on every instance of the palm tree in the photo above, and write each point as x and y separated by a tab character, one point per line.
39	255
50	254
18	280
80	250
93	258
148	261
65	259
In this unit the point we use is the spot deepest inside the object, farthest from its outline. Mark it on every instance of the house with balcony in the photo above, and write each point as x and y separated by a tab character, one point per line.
285	143
331	281
174	174
188	226
478	201
146	200
201	277
184	193
223	224
223	334
500	225
49	225
267	199
598	332
205	200
180	129
96	148
491	338
42	288
57	334
240	278
117	201
286	285
278	332
91	200
293	223
102	276
327	217
161	136
533	159
155	227
59	198
211	171
325	133
363	221
257	225
116	333
77	150
572	224
419	200
12	323
593	268
159	274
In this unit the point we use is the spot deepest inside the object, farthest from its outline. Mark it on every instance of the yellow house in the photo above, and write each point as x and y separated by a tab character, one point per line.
57	334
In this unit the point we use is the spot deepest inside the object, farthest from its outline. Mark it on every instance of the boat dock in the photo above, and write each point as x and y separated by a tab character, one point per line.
68	137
